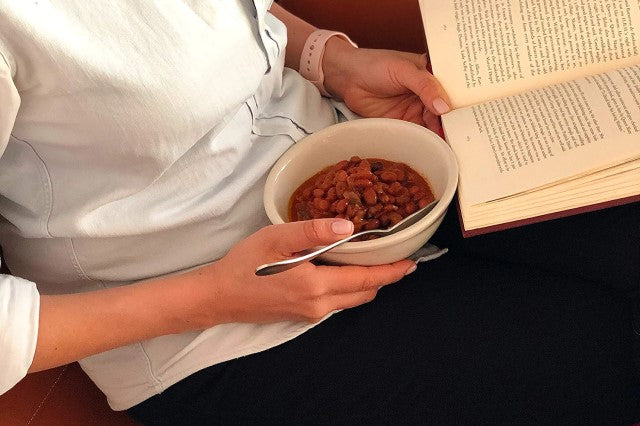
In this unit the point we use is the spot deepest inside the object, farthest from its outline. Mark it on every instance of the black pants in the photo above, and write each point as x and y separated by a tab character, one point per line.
532	325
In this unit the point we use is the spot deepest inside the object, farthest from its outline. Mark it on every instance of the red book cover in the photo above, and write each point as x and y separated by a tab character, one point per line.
555	215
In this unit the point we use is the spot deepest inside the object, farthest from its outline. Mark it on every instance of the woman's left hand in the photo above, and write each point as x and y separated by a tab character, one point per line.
384	83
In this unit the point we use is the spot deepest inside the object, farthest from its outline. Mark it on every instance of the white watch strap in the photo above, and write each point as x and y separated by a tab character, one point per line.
312	54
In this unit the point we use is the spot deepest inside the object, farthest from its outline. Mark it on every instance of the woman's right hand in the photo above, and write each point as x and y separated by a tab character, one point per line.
233	293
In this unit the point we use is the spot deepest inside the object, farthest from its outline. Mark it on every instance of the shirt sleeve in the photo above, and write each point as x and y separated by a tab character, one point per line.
19	314
9	101
19	298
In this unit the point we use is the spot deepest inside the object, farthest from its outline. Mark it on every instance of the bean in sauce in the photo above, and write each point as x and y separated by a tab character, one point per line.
372	193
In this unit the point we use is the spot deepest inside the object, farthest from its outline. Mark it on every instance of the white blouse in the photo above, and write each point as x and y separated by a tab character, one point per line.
135	138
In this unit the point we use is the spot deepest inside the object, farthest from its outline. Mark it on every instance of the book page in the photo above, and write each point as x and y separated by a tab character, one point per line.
546	135
601	187
485	49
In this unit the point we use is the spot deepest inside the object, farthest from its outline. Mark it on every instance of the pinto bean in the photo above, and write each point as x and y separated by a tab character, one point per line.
327	182
340	188
403	197
390	208
362	174
395	217
351	211
352	197
372	224
378	187
400	175
341	176
331	194
375	210
341	205
395	188
370	196
410	207
361	183
321	204
423	202
365	165
388	176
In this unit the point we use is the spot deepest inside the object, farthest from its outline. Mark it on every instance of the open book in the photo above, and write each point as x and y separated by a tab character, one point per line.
547	105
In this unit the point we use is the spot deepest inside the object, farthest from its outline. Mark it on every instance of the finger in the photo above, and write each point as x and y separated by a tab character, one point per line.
351	300
414	113
426	86
355	279
419	60
289	238
319	309
432	122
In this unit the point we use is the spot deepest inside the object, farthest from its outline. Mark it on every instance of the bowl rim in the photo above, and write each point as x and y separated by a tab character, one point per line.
389	240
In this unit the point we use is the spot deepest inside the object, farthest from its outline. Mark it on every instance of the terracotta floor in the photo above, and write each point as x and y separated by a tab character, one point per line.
62	396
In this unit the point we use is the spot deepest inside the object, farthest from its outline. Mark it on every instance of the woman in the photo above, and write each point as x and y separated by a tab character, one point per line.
136	140
138	137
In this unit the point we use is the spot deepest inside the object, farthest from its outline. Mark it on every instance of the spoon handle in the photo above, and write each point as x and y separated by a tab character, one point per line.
283	265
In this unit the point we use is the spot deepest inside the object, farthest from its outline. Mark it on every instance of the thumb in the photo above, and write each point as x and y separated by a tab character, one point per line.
426	86
420	60
296	236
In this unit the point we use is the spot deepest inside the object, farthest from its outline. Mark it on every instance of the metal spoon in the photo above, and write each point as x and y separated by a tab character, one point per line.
283	265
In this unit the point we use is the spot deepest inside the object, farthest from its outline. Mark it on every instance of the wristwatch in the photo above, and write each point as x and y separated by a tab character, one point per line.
312	54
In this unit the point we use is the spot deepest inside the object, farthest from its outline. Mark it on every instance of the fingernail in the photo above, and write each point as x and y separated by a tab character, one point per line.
440	106
341	227
411	269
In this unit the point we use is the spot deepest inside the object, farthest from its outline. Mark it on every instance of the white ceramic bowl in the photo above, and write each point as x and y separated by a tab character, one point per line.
384	138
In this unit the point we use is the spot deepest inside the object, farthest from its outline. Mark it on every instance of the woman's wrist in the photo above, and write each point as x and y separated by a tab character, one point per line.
194	293
335	65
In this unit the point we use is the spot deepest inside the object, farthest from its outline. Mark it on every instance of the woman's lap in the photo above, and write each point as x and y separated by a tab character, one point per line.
598	246
465	337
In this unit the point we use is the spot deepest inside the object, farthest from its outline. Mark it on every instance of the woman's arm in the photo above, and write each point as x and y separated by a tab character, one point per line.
74	326
298	31
77	325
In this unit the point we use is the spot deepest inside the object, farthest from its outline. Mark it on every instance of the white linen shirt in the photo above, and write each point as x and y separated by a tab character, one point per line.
135	137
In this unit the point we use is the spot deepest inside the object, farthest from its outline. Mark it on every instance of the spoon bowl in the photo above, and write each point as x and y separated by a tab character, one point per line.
307	255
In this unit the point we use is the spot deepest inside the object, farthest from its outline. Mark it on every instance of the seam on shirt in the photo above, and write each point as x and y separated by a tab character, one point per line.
253	115
159	387
295	123
266	30
4	58
76	263
46	180
297	126
261	27
6	61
